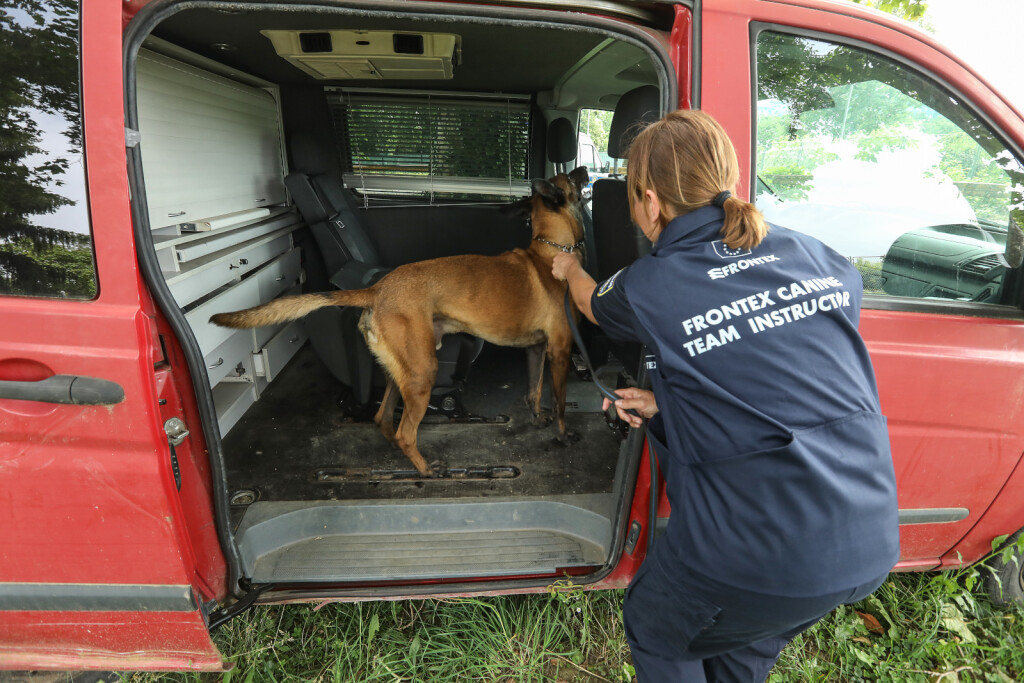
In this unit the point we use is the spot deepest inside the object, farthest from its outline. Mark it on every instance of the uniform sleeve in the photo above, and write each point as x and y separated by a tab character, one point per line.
610	306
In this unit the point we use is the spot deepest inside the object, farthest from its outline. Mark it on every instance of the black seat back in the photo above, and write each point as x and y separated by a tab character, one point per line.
618	241
562	144
352	262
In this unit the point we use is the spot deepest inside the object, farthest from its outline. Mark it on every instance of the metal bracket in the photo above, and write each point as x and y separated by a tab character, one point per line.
132	137
176	431
225	614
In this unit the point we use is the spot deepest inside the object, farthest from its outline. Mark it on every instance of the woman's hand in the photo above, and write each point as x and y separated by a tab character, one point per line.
564	265
640	400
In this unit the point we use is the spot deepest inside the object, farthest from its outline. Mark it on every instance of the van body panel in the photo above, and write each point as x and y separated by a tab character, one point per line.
98	516
949	383
115	559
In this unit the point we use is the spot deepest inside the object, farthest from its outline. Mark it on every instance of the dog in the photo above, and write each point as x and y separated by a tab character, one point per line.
511	299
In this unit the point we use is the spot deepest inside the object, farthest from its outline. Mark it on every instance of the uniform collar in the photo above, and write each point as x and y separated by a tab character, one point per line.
697	226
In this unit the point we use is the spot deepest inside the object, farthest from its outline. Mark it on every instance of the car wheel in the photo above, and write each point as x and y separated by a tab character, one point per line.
1004	572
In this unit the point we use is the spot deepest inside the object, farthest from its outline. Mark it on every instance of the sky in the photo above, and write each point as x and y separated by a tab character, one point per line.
986	35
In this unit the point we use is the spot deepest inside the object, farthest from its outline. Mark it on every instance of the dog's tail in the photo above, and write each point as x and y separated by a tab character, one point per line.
292	308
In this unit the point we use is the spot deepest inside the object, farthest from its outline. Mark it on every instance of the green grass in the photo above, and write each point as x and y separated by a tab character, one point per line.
927	628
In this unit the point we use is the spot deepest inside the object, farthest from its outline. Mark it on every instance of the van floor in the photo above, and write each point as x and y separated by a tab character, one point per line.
297	444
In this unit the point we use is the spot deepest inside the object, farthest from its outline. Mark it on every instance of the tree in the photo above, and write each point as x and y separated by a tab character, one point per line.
911	10
39	51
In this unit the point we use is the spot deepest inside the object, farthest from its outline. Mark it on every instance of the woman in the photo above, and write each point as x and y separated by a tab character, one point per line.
764	416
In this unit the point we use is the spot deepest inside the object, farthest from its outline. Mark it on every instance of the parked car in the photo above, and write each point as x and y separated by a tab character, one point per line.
171	159
598	167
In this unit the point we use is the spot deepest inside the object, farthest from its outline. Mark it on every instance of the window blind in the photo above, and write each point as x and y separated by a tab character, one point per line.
430	145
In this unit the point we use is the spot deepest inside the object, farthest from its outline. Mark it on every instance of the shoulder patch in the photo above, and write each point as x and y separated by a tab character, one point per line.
608	284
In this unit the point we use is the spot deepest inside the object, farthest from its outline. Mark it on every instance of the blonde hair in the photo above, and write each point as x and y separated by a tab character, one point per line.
687	159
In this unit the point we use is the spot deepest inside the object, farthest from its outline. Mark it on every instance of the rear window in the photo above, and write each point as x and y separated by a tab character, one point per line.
432	147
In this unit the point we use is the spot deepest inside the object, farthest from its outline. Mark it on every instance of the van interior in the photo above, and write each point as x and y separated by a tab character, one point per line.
304	149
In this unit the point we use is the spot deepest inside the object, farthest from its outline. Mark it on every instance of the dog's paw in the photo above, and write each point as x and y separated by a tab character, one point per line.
542	419
569	438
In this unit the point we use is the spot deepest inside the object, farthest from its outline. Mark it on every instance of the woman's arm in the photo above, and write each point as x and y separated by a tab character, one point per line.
567	267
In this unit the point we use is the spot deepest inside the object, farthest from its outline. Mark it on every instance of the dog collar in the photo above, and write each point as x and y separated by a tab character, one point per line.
566	249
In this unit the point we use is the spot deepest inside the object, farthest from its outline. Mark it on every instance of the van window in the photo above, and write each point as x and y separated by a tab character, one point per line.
888	168
45	244
594	127
430	146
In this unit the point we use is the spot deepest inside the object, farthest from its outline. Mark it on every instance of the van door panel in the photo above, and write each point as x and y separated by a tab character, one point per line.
98	568
949	383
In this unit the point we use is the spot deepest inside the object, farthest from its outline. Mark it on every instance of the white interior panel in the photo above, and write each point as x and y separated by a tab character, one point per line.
210	145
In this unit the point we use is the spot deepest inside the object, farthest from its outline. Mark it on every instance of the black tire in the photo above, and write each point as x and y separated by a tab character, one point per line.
1004	573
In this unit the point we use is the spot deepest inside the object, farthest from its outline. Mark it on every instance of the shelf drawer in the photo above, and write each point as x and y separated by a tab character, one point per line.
191	285
245	294
225	358
279	275
232	400
261	336
279	350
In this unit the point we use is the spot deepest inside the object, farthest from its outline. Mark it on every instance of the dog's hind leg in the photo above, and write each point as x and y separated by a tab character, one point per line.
407	352
535	383
385	417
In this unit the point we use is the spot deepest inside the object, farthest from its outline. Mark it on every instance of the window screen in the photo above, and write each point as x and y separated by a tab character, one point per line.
432	146
888	168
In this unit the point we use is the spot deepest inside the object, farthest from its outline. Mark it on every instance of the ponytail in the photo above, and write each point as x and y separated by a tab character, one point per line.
744	226
686	158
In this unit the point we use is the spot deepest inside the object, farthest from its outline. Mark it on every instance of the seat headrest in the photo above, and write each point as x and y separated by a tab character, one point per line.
561	141
634	110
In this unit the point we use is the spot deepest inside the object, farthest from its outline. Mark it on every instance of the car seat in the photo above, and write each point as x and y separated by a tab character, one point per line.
353	262
618	241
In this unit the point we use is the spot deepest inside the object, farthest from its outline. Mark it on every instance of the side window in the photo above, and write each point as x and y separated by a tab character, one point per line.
593	140
888	168
432	147
45	243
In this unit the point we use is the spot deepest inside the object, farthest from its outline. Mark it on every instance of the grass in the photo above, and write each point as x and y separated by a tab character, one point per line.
917	628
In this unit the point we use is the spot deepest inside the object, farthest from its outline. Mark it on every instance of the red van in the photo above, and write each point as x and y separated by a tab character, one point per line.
165	160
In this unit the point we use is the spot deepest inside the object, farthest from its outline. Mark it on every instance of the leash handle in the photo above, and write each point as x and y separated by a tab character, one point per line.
605	391
652	514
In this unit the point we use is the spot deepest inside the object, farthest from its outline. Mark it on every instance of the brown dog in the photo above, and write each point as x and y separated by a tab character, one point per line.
510	300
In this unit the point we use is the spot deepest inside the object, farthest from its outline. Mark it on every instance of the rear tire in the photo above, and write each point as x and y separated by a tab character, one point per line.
1004	578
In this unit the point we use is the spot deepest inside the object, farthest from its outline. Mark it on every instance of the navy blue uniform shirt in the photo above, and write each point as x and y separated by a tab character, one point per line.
770	434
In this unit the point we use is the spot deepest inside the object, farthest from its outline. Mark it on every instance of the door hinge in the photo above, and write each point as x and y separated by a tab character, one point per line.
219	617
176	431
132	137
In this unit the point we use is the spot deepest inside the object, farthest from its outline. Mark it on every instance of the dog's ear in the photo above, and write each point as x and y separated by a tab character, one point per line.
520	207
580	177
553	196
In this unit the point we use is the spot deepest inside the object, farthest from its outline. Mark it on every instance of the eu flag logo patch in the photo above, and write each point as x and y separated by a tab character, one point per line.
723	250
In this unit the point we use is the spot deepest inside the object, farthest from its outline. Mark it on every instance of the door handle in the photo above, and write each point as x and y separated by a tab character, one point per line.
66	389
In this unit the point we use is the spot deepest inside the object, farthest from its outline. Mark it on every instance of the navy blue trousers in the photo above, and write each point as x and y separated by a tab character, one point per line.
685	627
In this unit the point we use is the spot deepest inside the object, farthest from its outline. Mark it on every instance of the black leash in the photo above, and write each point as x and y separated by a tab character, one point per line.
605	391
652	514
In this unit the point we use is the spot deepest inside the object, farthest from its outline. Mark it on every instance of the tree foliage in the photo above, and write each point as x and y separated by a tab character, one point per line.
817	97
911	10
39	51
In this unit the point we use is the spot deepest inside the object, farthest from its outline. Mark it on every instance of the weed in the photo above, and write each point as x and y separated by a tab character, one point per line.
916	628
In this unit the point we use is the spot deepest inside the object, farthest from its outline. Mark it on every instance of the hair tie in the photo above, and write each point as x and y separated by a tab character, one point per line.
720	198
